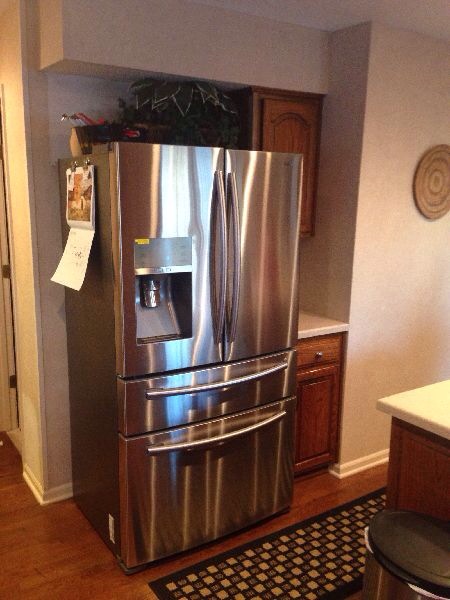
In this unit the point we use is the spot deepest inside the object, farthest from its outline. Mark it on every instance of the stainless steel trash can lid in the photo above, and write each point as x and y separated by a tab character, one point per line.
414	548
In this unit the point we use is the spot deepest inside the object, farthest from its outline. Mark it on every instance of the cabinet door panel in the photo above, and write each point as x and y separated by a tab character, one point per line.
317	417
294	126
287	127
313	431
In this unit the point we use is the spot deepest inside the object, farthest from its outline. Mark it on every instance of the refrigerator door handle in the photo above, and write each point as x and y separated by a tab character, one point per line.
218	257
235	251
204	387
215	439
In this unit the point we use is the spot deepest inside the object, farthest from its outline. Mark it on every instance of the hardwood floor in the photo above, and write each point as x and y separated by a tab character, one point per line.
52	553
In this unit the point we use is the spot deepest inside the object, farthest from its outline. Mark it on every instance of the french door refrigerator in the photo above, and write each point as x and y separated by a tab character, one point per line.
180	344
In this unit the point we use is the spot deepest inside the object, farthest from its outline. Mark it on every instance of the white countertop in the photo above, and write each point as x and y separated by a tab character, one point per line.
310	325
426	407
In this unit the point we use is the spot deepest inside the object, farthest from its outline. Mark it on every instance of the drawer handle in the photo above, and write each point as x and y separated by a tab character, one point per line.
215	439
319	355
205	387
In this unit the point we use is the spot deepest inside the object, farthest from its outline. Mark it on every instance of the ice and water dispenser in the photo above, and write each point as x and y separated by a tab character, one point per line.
163	288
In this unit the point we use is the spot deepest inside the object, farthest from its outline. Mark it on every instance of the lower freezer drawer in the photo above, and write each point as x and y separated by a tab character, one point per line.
184	487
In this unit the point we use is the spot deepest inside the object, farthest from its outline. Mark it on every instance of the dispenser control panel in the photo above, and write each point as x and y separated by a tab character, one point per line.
162	255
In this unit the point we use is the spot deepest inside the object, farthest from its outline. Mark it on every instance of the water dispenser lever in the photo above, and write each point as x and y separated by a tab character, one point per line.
150	292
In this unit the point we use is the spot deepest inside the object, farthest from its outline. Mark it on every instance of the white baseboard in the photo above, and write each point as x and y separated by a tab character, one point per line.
58	493
55	494
360	464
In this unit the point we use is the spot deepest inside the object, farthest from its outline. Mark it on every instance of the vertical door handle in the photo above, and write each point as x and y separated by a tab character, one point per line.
218	256
234	246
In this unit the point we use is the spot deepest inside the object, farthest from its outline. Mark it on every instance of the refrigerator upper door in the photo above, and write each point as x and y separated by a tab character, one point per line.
263	208
169	256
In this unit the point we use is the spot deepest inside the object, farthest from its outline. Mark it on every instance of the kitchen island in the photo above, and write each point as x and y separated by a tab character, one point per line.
419	459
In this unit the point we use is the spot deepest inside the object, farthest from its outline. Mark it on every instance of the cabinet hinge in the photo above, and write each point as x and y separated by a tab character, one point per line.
6	271
13	382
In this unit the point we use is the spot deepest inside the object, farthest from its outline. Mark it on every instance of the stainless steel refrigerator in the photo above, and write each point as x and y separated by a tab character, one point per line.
181	367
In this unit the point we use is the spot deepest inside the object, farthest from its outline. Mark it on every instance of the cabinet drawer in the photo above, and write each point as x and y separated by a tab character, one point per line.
319	350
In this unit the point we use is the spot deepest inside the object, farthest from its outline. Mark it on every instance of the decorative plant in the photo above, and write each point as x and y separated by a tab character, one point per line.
195	111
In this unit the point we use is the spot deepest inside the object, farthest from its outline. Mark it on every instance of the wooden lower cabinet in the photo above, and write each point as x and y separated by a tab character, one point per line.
318	402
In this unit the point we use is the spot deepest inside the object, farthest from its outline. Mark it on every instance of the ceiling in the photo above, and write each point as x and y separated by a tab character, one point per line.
429	17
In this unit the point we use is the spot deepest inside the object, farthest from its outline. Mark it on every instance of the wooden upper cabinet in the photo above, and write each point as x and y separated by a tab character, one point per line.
284	121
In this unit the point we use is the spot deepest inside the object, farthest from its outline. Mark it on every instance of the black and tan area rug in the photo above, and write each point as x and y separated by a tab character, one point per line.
322	557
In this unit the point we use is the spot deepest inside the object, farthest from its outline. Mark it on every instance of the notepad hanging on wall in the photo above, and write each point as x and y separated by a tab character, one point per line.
80	216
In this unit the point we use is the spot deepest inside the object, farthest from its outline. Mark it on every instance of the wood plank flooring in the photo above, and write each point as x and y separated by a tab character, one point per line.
52	553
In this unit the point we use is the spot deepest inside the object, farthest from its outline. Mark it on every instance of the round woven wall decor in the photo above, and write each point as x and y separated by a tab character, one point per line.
432	182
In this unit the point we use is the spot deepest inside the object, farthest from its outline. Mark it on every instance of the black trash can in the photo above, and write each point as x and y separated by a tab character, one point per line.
408	557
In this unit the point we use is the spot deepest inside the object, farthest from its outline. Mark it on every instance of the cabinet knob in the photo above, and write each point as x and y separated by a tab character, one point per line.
319	355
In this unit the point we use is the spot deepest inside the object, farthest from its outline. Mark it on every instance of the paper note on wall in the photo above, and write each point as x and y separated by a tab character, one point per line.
80	216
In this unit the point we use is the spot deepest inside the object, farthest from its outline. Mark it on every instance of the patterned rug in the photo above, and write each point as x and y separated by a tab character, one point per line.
322	557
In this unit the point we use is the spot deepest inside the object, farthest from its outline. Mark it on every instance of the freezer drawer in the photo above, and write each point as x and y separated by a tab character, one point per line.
173	400
184	487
